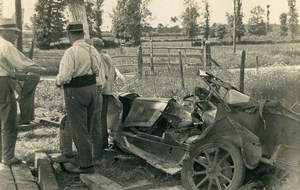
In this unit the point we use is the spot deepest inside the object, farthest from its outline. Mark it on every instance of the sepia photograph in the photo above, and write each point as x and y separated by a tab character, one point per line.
149	95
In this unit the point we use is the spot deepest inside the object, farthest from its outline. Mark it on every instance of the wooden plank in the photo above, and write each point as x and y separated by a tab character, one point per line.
97	181
46	177
38	155
175	48
44	121
23	177
177	187
6	178
118	56
171	55
145	185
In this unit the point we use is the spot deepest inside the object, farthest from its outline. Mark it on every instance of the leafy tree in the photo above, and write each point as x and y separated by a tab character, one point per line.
293	18
256	24
175	29
89	15
268	18
1	8
239	27
128	18
189	18
217	30
283	25
49	22
213	30
94	17
77	12
206	16
229	22
221	32
160	28
98	21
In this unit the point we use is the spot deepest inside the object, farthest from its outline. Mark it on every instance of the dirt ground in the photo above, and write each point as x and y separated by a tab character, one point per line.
126	170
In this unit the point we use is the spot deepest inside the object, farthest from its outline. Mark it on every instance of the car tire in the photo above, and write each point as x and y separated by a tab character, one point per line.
213	164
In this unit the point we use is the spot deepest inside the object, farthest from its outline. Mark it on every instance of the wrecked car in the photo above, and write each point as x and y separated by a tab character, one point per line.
212	144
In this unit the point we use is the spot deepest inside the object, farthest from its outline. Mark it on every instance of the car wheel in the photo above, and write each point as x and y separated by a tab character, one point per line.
214	164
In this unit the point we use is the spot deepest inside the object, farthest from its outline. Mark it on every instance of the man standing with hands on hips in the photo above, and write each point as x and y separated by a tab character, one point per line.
77	75
12	64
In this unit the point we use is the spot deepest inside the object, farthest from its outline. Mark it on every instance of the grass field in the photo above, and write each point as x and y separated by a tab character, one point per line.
261	54
274	82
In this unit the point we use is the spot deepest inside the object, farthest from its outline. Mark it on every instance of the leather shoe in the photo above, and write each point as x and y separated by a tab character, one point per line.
64	159
12	161
80	170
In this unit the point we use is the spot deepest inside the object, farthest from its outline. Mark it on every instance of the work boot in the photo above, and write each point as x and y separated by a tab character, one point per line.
64	159
80	170
12	161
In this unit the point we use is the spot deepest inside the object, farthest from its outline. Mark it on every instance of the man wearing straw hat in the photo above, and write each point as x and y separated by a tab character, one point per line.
12	62
77	74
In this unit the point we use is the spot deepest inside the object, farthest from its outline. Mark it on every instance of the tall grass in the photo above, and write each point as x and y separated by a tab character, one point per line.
277	83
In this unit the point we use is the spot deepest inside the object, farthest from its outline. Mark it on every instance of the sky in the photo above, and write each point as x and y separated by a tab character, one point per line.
163	10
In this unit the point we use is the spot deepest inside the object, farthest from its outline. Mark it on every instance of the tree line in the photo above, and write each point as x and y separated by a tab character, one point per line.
130	21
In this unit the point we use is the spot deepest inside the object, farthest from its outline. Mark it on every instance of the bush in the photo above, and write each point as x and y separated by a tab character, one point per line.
110	44
60	46
66	45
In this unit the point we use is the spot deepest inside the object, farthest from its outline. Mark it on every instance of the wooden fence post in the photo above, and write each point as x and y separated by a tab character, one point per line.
181	70
121	48
257	64
185	57
242	71
31	50
201	56
207	55
151	57
140	62
169	59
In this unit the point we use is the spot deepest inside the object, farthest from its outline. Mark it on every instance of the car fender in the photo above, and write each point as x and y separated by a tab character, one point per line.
232	131
250	145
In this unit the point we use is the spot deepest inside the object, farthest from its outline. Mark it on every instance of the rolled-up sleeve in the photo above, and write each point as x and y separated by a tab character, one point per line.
66	68
19	60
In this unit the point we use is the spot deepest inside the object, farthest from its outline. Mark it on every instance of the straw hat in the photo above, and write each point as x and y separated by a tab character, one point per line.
76	26
8	24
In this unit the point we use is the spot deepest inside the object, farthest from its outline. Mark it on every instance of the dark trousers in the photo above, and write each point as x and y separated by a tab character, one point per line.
8	114
80	104
65	137
97	129
96	133
104	120
27	98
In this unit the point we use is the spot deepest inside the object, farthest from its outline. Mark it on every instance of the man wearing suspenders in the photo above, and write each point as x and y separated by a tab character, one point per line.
77	75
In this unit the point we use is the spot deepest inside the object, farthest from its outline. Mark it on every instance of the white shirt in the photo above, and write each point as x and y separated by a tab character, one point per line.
11	59
79	60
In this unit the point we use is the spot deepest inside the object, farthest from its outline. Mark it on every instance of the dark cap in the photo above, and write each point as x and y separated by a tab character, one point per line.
8	24
98	42
76	26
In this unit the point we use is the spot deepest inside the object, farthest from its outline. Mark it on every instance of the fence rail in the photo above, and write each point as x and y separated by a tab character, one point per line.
145	58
